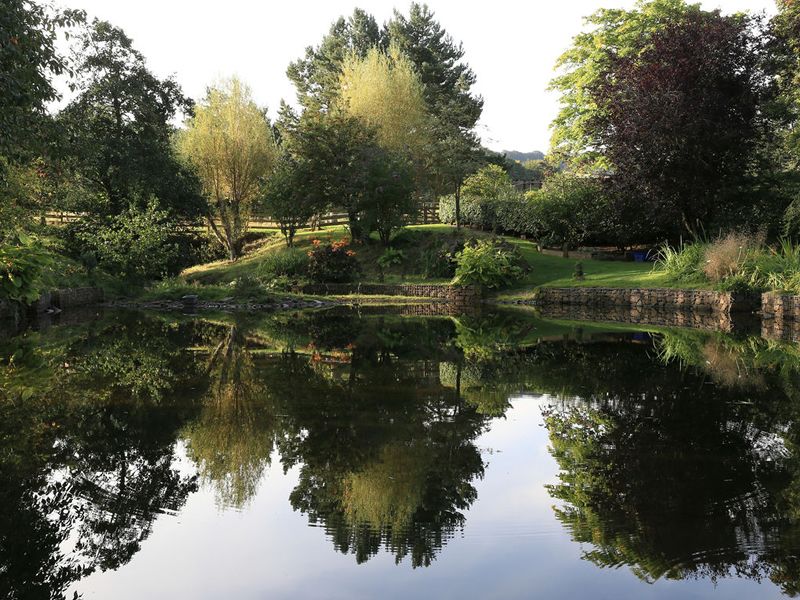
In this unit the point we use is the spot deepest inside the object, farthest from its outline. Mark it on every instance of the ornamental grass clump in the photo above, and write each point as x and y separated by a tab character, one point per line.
684	264
727	256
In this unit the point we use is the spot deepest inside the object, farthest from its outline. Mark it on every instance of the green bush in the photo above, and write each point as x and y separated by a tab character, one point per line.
391	257
332	263
136	244
487	264
439	260
22	265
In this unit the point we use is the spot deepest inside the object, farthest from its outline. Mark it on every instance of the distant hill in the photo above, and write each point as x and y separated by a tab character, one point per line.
523	156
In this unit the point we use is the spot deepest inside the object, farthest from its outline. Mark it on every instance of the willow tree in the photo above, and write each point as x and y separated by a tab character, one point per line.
230	144
383	90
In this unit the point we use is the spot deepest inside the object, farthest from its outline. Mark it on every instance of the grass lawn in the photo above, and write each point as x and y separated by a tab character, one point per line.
551	271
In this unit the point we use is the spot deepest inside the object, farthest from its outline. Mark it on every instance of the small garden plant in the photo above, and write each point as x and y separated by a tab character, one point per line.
489	264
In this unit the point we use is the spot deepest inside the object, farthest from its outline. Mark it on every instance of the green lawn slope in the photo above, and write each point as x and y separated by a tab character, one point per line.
546	270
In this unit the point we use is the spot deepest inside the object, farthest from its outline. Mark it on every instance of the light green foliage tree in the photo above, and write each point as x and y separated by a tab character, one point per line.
384	91
230	144
489	182
447	82
445	78
610	33
316	75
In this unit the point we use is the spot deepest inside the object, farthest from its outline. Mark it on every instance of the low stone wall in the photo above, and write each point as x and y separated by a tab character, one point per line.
658	298
449	293
780	316
780	306
69	298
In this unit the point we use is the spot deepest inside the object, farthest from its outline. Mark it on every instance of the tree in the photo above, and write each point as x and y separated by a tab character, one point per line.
785	55
334	153
680	121
29	59
489	182
389	195
447	81
611	33
455	154
316	76
384	91
288	198
568	209
119	132
230	144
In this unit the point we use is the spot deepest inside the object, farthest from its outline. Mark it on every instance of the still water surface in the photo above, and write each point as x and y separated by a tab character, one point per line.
339	454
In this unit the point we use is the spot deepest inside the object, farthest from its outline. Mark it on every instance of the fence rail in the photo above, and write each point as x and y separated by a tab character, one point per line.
427	213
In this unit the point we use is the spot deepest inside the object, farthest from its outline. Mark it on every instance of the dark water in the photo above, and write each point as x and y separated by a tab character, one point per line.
346	455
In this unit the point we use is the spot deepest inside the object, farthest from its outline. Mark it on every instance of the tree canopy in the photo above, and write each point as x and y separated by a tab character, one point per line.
230	143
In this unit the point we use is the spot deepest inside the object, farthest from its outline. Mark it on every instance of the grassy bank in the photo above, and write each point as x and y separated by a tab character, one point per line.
225	279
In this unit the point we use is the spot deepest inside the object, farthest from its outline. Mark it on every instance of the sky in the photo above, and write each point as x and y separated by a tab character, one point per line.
511	45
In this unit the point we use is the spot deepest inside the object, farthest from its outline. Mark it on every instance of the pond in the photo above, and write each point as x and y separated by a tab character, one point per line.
349	453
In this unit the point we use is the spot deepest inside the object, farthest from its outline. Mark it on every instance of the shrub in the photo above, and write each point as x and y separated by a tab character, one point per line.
332	262
439	260
488	264
247	287
136	244
568	209
391	257
22	265
290	262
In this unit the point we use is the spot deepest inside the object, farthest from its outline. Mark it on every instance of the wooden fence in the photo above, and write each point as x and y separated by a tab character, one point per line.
427	213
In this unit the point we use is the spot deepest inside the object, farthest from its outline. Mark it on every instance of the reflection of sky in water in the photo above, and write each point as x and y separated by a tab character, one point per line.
512	545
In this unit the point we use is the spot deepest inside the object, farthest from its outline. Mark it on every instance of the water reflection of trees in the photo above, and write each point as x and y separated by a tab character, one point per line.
675	471
232	439
88	424
386	453
678	461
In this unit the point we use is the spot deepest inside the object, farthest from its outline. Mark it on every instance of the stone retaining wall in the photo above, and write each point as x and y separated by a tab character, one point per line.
780	316
780	306
449	293
658	298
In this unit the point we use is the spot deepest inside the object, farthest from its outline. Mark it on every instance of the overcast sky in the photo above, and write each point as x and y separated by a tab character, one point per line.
511	45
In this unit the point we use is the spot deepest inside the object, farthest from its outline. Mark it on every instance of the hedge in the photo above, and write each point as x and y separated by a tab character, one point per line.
514	216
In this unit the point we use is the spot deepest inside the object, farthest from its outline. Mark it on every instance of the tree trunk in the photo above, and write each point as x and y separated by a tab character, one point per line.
458	205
